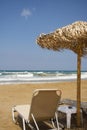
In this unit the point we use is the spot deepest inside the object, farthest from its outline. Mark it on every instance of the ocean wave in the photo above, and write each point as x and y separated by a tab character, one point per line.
38	76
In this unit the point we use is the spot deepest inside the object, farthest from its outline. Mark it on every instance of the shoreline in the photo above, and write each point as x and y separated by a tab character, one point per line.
15	94
39	76
40	82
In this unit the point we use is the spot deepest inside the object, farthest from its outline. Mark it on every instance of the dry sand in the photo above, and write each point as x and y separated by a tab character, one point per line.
14	94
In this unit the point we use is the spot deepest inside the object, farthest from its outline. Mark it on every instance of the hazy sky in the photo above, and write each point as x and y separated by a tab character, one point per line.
22	21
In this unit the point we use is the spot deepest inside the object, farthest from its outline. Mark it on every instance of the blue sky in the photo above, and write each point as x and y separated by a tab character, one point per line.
22	21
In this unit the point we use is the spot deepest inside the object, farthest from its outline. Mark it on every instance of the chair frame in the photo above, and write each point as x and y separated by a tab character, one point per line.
24	121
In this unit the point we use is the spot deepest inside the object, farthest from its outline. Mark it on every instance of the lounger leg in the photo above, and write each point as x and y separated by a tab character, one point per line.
35	121
13	115
32	128
53	123
56	116
24	128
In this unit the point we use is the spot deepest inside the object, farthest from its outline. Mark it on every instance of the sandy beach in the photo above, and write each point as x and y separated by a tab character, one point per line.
14	94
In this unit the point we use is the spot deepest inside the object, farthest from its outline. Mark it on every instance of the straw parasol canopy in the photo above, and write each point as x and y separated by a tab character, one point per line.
72	37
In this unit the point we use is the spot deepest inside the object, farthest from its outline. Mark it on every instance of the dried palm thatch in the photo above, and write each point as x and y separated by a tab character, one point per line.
72	37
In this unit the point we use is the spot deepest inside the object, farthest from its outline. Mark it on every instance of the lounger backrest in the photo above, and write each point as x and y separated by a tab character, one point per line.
44	104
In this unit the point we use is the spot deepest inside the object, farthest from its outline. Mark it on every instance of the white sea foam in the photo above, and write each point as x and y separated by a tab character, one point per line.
38	76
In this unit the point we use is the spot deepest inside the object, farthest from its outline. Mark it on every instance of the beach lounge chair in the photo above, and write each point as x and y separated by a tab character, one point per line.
43	107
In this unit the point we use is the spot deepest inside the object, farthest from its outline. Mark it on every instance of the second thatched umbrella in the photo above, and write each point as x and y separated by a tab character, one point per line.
72	37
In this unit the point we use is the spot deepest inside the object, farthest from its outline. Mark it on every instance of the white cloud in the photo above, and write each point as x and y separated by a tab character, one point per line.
26	13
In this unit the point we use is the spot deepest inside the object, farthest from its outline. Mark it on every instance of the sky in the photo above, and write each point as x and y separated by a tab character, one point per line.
22	21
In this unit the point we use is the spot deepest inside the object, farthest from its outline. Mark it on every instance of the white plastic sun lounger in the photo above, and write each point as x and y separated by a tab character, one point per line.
43	107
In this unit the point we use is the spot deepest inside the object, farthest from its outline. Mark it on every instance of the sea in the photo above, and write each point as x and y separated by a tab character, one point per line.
38	76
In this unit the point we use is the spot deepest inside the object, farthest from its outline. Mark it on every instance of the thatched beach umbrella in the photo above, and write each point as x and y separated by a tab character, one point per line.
72	37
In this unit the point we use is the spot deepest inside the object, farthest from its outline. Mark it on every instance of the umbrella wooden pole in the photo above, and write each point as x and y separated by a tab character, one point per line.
78	89
72	37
